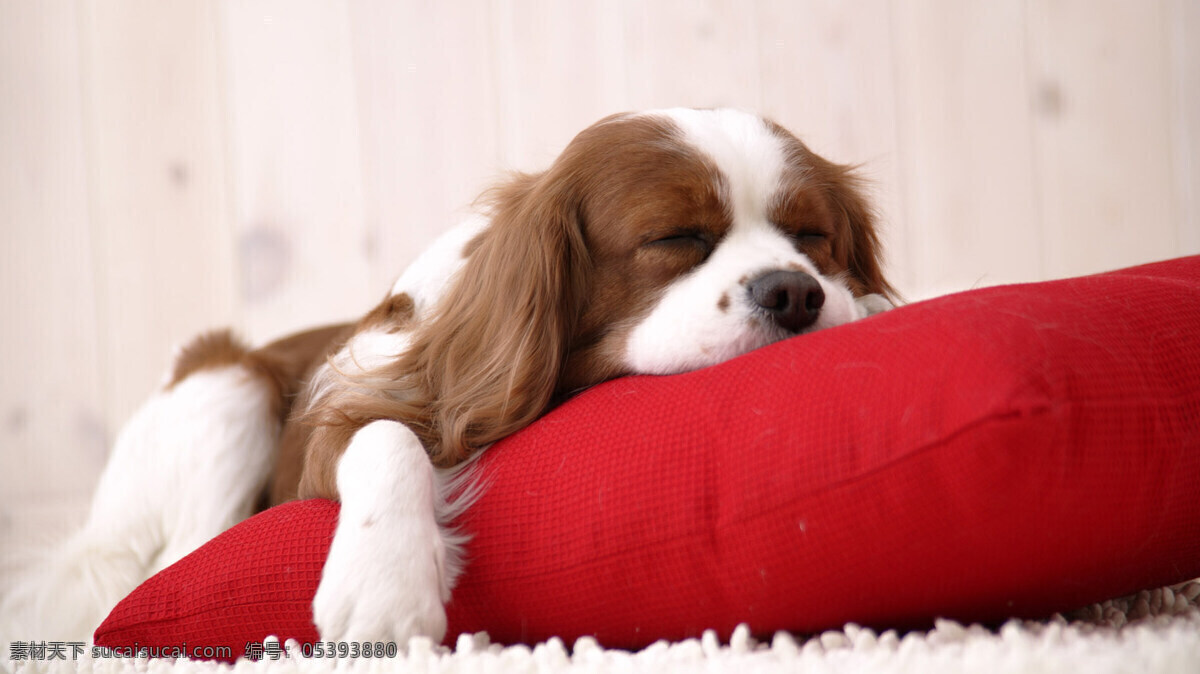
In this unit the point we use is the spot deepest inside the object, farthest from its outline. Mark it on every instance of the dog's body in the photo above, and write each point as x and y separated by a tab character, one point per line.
657	243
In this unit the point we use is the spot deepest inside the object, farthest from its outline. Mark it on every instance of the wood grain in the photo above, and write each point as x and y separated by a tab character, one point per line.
273	164
52	402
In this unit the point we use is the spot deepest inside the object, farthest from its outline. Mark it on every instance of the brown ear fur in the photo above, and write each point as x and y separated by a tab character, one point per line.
863	254
492	354
485	364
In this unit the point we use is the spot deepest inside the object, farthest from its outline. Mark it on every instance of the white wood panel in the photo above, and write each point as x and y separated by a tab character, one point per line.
157	186
427	112
557	70
827	74
168	167
965	139
302	240
1103	134
826	66
1184	22
694	53
52	430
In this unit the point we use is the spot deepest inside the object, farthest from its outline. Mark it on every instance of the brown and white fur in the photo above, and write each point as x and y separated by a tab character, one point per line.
657	243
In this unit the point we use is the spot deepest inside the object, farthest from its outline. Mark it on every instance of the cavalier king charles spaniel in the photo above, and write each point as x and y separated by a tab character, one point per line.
657	243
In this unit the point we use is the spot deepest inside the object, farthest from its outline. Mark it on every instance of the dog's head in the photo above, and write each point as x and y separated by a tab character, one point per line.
657	243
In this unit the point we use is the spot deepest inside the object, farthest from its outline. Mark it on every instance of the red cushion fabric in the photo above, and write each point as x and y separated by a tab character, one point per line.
1008	451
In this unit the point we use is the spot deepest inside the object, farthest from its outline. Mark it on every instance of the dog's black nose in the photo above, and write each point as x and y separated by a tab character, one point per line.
792	298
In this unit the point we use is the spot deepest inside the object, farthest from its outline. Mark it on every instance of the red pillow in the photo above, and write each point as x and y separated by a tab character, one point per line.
1009	451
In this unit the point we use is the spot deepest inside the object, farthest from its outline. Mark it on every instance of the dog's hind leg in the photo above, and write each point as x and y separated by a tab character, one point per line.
189	464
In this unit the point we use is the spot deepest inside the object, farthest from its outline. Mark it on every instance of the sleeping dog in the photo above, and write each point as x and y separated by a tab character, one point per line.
657	243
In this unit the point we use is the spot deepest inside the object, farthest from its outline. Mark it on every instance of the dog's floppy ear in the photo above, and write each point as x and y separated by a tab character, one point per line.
860	241
489	358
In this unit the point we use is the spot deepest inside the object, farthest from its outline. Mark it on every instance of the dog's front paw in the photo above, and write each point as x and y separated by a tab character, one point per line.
382	586
869	305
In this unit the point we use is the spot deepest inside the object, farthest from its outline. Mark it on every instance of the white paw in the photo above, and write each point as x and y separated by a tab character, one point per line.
869	305
382	582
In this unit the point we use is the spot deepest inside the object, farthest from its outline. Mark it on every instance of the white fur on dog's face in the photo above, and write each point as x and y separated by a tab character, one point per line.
707	315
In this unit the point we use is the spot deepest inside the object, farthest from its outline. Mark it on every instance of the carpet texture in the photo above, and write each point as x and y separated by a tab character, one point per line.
1148	633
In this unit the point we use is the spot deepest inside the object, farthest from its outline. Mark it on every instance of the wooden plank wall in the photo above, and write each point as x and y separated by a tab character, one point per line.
272	164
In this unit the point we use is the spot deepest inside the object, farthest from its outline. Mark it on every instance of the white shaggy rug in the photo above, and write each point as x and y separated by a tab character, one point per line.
1151	632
